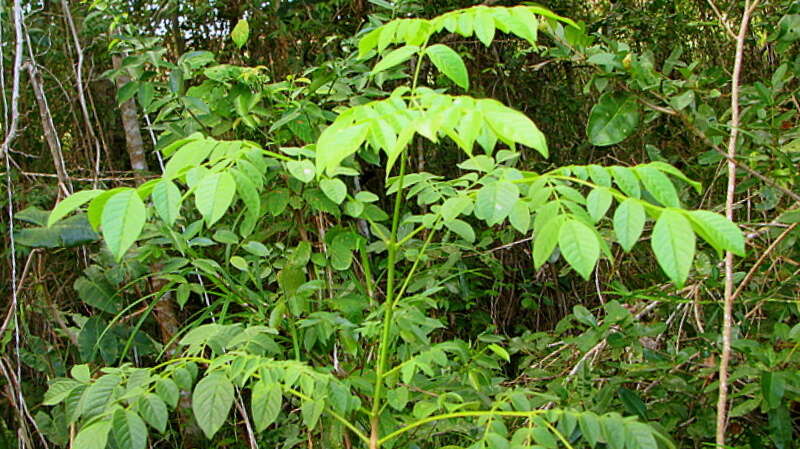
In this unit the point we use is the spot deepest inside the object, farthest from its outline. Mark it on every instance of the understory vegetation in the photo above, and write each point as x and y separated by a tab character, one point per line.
375	224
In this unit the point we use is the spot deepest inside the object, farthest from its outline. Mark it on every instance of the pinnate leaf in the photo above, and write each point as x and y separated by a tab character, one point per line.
167	201
211	401
579	246
94	436
122	221
129	430
449	63
71	203
673	244
266	404
629	220
213	196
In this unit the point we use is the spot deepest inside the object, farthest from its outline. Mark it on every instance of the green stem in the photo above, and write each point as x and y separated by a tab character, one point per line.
365	265
383	351
477	413
335	415
295	342
181	359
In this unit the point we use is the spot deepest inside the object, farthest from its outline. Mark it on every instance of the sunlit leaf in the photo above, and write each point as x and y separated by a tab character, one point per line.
122	221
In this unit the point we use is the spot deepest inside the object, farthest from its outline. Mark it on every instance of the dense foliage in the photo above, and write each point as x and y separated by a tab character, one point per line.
394	224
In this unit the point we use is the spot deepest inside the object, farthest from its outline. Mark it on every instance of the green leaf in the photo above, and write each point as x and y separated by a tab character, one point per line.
745	407
214	195
500	351
239	263
334	188
189	155
240	33
397	398
612	119
514	126
248	192
122	221
520	217
395	57
454	207
633	403
639	436
311	411
629	220
659	185
789	28
80	373
523	23
302	170
496	441
626	179
97	395
266	403
773	386
543	436
175	82
94	213
71	203
94	436
154	411
546	240
494	201
613	430
673	244
211	401
579	246
484	27
597	203
449	63
168	391
58	390
718	231
336	143
127	91
129	430
583	315
146	93
590	427
462	228
167	201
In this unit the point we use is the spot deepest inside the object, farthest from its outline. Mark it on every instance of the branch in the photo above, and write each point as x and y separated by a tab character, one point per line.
14	126
731	159
727	320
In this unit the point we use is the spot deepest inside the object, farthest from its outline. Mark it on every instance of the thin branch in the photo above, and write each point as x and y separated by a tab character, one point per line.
731	160
723	19
18	49
79	85
727	321
758	263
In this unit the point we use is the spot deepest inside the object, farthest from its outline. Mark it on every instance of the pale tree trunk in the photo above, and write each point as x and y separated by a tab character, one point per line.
130	123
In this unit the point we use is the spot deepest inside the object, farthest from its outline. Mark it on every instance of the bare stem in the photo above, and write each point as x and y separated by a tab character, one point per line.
725	356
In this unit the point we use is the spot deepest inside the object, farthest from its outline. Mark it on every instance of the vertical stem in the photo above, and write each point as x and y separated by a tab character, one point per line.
11	132
79	84
727	322
388	309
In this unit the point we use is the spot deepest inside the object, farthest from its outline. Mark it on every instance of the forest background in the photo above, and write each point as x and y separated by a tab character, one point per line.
363	223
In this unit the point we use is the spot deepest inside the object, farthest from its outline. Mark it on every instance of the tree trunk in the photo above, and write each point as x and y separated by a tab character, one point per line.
130	123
